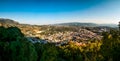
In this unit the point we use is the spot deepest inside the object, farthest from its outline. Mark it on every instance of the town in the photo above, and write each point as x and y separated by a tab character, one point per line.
58	34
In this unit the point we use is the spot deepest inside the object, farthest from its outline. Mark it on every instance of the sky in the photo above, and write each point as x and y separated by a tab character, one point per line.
61	11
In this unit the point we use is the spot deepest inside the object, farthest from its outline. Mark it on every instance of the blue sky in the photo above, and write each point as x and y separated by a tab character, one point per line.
60	11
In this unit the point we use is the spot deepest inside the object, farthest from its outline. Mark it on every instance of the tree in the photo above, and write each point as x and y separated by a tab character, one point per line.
10	34
111	46
14	46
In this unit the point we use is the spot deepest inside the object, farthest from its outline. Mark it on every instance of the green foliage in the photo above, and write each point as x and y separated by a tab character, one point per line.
14	47
111	46
46	52
10	34
49	54
70	52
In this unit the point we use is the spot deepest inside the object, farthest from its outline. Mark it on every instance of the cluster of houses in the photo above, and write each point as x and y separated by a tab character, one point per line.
82	35
33	34
59	38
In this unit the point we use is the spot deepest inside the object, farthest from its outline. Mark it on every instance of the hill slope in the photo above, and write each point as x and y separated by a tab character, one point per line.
8	21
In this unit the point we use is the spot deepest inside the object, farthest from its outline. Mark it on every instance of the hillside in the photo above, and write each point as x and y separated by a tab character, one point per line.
15	47
8	21
24	42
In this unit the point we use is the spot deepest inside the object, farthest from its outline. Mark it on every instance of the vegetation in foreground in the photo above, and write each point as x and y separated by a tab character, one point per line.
15	47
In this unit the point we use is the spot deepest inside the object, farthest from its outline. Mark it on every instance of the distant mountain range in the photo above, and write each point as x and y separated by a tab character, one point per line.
77	24
86	24
109	25
9	21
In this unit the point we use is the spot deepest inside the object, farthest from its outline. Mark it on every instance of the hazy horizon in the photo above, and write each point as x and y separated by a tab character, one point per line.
42	12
